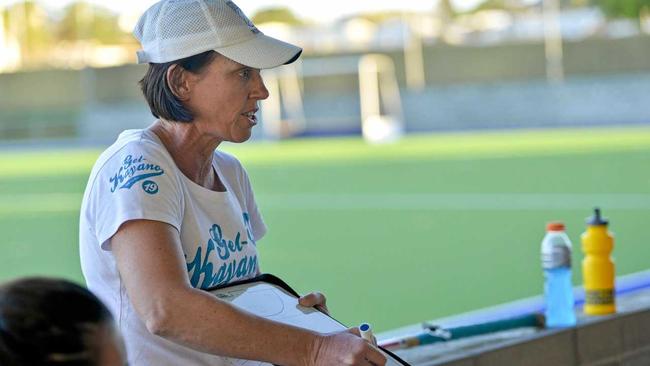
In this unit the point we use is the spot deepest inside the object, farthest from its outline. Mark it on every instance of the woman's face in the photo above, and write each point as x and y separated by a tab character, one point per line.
223	99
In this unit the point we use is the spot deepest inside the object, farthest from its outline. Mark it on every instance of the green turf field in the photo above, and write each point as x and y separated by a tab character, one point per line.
431	226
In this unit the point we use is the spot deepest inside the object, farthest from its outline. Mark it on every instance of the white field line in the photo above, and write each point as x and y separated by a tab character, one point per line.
456	201
70	202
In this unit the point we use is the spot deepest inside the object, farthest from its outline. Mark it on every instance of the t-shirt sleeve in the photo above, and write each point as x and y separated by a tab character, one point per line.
256	221
138	182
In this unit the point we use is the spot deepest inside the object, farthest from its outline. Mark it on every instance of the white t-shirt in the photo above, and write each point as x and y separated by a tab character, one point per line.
136	178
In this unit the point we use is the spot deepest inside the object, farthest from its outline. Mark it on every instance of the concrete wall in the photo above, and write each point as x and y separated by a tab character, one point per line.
620	340
453	64
592	100
467	88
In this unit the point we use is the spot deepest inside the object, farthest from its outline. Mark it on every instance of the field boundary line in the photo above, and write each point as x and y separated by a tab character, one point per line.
67	202
457	201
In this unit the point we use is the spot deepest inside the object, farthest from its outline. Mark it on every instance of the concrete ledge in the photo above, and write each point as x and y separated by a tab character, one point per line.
621	339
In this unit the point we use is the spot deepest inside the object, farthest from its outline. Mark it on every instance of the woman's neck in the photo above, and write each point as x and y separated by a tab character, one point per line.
192	152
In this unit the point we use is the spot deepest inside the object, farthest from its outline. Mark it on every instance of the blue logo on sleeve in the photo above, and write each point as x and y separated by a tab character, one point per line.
133	171
150	187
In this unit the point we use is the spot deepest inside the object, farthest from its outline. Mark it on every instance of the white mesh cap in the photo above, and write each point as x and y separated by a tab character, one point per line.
174	29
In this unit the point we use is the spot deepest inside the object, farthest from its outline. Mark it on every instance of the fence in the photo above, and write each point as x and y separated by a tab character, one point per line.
466	87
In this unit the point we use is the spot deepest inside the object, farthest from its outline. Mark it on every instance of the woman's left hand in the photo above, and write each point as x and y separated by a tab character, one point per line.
316	300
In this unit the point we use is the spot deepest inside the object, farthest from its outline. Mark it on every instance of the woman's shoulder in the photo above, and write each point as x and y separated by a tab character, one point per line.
136	141
134	147
140	139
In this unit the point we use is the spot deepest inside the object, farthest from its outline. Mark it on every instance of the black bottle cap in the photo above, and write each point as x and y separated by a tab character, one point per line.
596	219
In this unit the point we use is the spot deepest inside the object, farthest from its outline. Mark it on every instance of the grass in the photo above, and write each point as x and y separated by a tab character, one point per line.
431	226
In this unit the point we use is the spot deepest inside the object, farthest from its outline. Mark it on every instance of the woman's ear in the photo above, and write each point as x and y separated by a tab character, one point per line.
178	82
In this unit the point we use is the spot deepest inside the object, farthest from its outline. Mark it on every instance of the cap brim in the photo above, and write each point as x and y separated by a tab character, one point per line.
261	52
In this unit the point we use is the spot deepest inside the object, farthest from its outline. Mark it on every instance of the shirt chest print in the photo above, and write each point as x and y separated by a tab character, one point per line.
232	263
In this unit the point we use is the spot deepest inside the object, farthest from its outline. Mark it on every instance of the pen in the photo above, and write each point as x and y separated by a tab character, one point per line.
366	332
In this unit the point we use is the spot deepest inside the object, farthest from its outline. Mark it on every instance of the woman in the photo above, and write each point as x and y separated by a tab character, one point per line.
165	215
50	322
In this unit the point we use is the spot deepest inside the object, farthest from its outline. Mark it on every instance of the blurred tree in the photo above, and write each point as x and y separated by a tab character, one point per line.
623	8
521	5
276	14
83	21
4	13
445	10
381	16
507	5
28	23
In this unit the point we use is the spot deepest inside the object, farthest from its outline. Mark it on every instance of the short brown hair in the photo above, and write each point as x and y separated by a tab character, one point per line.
160	96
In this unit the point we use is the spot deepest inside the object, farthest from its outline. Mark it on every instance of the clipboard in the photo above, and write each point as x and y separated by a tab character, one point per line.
268	296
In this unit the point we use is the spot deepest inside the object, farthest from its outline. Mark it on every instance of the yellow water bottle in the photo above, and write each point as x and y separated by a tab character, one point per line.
598	267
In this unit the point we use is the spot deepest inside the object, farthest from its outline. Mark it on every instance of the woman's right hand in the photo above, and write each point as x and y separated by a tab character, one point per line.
346	348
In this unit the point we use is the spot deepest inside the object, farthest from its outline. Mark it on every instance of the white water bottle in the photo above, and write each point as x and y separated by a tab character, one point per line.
558	289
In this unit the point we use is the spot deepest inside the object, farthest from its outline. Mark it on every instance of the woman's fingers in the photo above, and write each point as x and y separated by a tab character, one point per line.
375	357
314	299
355	331
347	348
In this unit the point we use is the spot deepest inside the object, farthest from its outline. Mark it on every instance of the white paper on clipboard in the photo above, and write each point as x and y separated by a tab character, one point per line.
275	303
